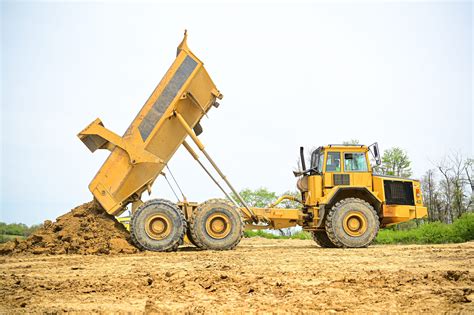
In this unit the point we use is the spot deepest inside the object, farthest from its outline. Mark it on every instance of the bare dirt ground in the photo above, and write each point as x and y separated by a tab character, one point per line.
259	275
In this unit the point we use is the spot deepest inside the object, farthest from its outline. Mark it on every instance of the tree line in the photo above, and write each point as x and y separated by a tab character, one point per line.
448	188
18	229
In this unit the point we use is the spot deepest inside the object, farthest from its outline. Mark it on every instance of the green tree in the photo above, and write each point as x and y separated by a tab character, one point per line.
17	229
288	204
260	197
395	162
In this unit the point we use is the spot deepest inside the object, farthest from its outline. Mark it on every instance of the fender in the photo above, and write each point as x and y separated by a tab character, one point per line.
342	192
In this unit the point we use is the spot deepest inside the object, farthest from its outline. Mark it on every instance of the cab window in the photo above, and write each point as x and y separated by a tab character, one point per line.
315	159
321	161
333	162
355	162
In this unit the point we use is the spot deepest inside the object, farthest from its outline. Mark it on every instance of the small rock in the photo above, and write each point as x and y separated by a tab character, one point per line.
454	275
469	298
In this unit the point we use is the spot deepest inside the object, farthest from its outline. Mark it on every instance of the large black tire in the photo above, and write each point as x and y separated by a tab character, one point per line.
352	223
158	225
217	225
190	237
321	238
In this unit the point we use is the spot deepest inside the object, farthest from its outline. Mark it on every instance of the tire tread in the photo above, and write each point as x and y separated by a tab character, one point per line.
179	238
193	230
322	240
334	209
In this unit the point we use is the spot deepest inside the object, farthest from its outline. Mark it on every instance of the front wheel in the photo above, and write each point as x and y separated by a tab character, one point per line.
352	222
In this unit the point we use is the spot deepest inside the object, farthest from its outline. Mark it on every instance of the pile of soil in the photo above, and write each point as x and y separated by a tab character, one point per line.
87	229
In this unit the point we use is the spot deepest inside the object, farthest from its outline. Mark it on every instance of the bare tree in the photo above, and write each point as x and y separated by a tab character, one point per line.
459	205
456	174
445	170
431	195
469	176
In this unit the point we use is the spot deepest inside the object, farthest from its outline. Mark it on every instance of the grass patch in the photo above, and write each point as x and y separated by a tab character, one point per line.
6	237
462	230
262	233
301	235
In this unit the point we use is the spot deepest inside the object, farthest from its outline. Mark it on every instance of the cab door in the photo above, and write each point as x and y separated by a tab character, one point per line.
332	169
356	166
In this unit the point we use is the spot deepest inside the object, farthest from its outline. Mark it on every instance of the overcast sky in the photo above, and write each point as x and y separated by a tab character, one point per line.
291	75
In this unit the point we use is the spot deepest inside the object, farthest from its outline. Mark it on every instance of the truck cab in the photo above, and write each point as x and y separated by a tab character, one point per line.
345	200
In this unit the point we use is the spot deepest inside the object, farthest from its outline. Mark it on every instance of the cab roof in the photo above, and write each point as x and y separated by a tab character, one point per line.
345	146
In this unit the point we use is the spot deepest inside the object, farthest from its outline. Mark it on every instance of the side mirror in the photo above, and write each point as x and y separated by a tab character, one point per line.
374	149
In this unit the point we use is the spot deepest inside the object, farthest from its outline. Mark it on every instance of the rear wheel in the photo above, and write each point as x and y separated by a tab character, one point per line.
190	237
216	224
321	238
158	225
352	222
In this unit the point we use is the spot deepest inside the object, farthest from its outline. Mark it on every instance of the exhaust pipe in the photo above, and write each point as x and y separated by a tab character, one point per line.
303	163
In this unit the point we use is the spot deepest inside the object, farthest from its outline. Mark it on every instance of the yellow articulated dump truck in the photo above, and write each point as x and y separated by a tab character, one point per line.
343	203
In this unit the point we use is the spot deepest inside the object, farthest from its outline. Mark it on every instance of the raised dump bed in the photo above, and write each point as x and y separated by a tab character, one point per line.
186	92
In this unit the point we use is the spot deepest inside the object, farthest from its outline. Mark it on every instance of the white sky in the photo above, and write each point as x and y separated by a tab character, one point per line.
292	74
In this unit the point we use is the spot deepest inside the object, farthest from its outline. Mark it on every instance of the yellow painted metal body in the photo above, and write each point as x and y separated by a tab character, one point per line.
277	218
154	135
125	221
181	99
393	214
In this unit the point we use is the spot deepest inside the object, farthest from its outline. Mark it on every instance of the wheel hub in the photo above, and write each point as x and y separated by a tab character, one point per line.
355	223
158	226
218	225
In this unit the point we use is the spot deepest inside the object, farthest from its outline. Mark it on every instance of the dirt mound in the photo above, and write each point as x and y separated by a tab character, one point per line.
86	229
